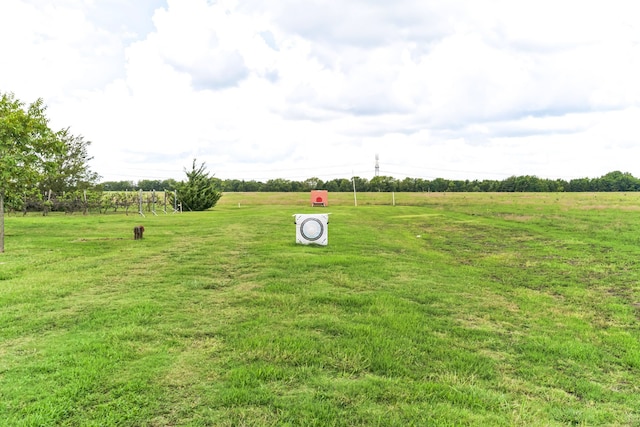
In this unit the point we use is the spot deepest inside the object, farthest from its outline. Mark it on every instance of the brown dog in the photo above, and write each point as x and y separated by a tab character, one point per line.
138	231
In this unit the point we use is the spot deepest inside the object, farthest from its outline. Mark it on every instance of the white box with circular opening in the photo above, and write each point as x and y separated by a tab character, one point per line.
312	229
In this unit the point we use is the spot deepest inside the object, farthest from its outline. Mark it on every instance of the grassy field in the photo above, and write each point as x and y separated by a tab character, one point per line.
446	309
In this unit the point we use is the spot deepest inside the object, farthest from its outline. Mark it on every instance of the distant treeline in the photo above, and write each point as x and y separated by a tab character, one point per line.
613	181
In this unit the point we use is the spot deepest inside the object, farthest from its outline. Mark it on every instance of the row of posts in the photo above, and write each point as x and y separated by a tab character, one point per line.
177	207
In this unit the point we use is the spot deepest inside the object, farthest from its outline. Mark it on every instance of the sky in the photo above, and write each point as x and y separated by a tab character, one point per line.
258	90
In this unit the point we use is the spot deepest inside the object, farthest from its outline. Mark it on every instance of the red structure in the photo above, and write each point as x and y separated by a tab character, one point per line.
319	198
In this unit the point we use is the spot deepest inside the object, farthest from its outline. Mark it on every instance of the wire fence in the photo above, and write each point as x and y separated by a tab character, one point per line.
85	202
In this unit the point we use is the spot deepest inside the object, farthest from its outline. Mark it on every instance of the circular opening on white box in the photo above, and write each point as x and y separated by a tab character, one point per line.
311	229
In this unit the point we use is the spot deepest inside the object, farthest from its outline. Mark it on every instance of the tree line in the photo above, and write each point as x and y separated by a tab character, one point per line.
612	181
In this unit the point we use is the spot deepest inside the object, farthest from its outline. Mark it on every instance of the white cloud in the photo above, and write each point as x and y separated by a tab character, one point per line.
468	89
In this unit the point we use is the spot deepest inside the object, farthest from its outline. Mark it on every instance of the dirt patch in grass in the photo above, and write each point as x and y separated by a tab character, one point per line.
519	218
99	239
610	206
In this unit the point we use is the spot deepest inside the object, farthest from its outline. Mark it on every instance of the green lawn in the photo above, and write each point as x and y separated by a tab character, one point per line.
446	309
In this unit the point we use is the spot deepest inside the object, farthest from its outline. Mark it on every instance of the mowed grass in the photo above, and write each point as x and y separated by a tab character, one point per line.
446	309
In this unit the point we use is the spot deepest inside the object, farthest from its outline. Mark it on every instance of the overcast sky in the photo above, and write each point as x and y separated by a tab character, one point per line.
464	89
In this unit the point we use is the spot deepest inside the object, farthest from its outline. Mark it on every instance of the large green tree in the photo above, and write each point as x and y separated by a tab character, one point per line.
68	170
26	145
200	191
383	183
